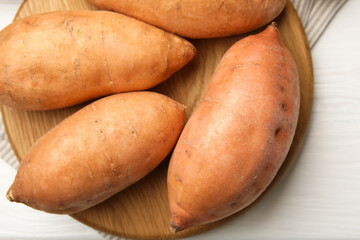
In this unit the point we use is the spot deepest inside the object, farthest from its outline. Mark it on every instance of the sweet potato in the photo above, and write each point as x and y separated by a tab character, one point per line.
238	137
200	18
59	59
97	152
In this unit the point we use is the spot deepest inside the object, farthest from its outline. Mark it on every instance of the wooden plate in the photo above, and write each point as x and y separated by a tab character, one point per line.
141	211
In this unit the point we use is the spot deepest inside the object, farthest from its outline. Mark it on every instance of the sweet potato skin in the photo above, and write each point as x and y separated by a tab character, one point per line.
199	19
59	59
236	140
97	152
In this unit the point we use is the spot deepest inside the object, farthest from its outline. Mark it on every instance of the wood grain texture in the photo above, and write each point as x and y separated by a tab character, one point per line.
141	211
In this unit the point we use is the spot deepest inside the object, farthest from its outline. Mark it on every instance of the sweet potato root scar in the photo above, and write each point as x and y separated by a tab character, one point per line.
175	228
9	196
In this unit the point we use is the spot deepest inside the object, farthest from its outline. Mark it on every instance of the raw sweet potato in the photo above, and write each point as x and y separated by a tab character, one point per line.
97	152
238	137
200	18
59	59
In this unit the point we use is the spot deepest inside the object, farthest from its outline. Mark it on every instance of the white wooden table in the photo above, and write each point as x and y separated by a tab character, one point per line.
320	195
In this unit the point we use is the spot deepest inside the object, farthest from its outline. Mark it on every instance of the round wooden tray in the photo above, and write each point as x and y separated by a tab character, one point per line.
141	211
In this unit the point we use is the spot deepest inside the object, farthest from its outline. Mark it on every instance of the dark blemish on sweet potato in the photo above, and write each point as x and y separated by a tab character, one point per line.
233	204
133	131
281	88
187	153
277	131
283	106
238	196
102	137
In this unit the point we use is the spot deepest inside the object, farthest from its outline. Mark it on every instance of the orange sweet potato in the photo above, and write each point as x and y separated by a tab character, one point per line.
200	18
59	59
98	151
239	135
